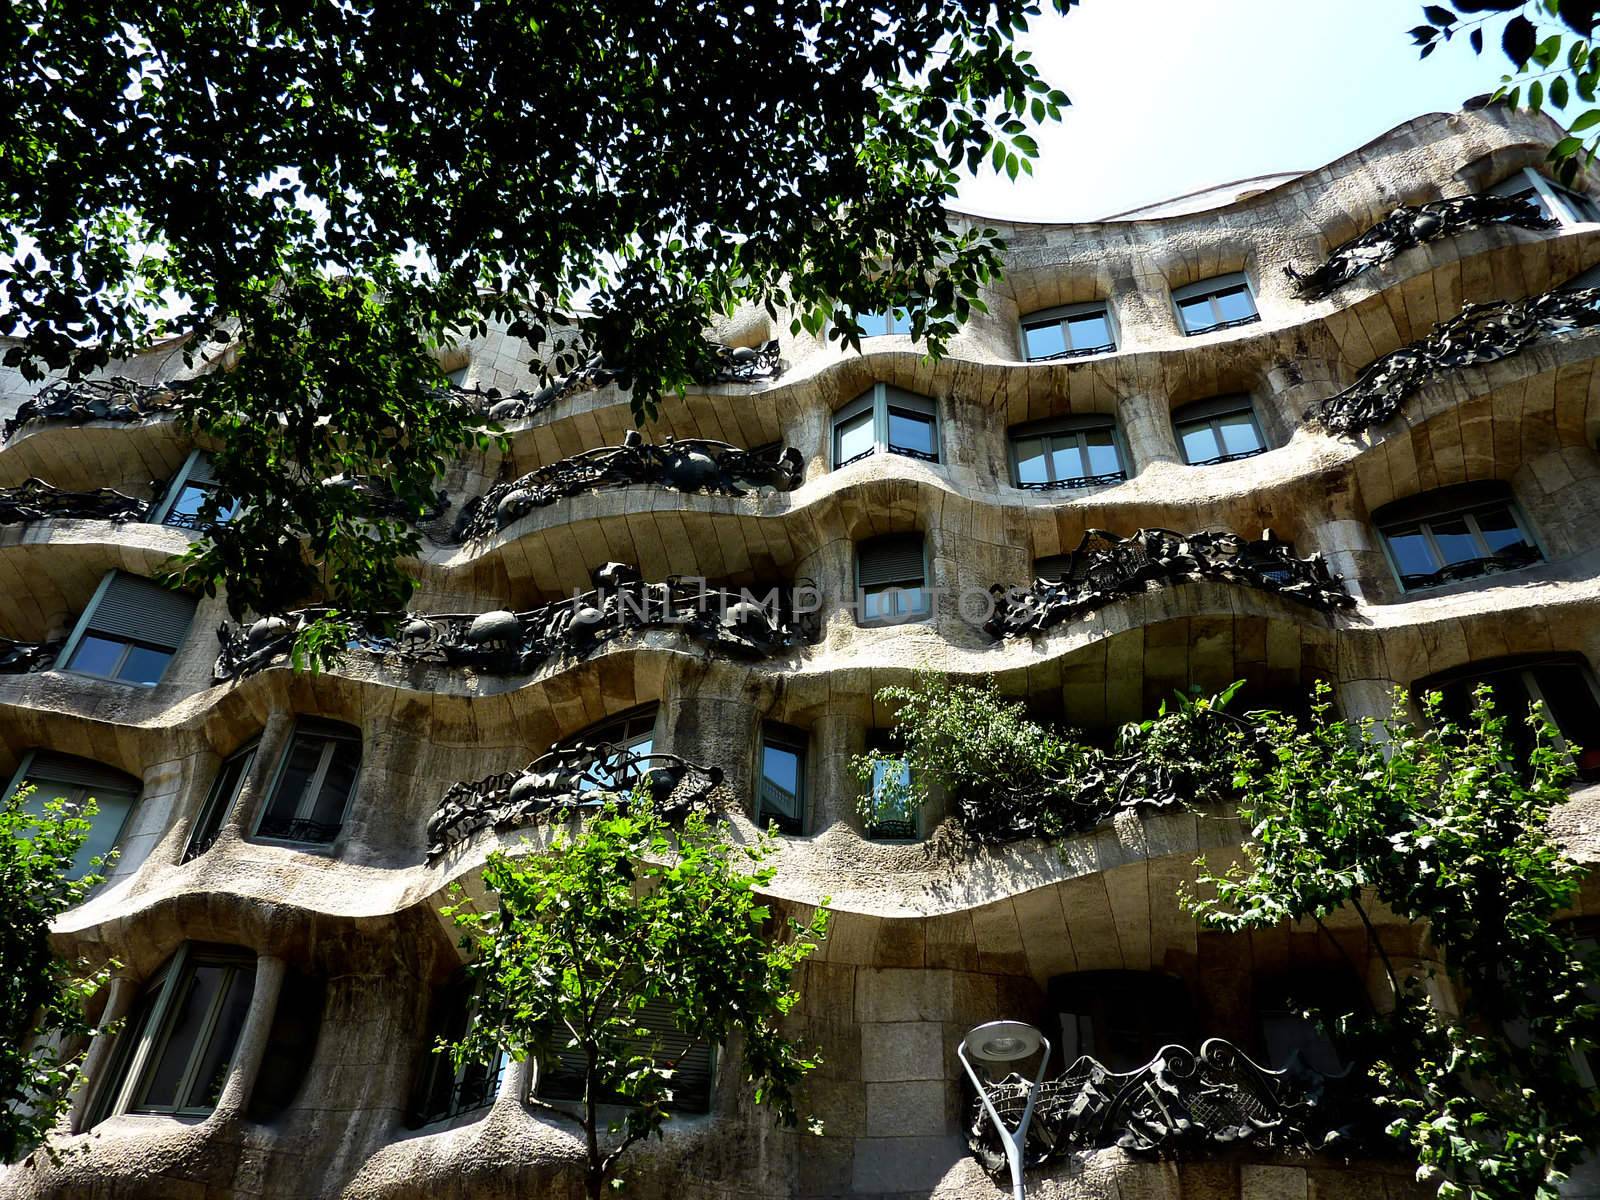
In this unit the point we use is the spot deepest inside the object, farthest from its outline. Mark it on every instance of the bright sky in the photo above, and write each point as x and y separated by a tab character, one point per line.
1172	96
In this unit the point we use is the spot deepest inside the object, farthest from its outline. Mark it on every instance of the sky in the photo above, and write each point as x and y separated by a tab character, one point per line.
1172	96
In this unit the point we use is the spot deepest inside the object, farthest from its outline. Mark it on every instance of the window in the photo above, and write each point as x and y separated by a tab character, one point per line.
458	377
882	324
1554	201
1218	431
891	579
626	737
315	782
1286	1031
781	794
560	1077
1225	302
1121	1018
77	780
886	418
443	1089
189	493
1069	452
1452	533
130	631
174	1054
220	799
1073	331
1561	684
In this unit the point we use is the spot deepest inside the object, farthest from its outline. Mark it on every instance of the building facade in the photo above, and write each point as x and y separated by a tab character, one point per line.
1328	488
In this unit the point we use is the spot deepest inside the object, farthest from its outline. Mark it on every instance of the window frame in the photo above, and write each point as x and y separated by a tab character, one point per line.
797	742
1075	427
135	1060
899	616
215	804
890	317
1466	510
879	399
81	629
161	514
314	786
1062	315
1212	288
20	776
1562	204
878	740
1209	413
463	1015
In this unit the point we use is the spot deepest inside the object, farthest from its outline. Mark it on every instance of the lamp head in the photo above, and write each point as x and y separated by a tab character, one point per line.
1002	1041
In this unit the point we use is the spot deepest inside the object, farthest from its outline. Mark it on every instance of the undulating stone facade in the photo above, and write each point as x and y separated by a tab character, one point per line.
1160	372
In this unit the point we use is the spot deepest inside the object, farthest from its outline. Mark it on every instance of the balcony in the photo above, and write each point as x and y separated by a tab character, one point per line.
115	399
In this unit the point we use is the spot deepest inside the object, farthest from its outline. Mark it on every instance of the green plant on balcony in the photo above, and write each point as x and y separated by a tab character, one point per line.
1446	827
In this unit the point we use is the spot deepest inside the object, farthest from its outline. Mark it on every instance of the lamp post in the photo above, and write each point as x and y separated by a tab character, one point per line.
1006	1042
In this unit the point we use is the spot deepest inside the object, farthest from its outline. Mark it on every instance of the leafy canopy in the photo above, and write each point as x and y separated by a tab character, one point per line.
623	914
1444	827
323	195
1550	44
43	1033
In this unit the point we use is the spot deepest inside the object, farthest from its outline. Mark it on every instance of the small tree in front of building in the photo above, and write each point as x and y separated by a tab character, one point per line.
626	915
1446	826
43	1032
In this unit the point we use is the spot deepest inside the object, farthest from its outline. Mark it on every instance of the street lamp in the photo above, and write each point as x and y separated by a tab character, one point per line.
1006	1042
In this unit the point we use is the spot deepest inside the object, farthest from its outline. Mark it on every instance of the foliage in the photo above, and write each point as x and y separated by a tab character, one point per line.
43	1033
1550	43
1444	827
323	196
1009	776
619	915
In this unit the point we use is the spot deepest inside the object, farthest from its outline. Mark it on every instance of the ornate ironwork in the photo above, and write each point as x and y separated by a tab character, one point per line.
1077	481
297	829
749	623
36	500
1512	558
21	658
1105	568
381	500
1479	333
1228	458
1236	323
1073	352
744	364
691	465
114	399
1413	225
566	780
1178	1102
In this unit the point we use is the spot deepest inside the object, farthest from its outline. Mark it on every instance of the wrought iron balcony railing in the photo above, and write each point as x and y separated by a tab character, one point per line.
115	399
36	500
691	465
1479	333
1106	568
21	658
564	781
1413	225
751	623
1179	1102
1218	327
1075	482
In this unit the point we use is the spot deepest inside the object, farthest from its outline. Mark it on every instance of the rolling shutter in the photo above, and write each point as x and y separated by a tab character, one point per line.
562	1078
48	766
135	609
895	558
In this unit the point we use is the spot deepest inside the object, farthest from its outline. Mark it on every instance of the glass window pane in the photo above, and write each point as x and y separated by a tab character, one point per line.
1199	443
1043	340
912	600
219	801
112	812
899	321
1030	460
218	1052
1238	432
780	781
337	783
197	990
1102	448
96	656
298	768
853	438
144	666
911	431
1411	552
1197	315
186	507
1455	540
1065	460
891	803
1571	704
1090	331
1499	529
1235	304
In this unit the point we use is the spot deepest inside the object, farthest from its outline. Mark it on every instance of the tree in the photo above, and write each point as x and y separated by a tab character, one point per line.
331	193
621	915
1550	44
43	1033
1445	828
